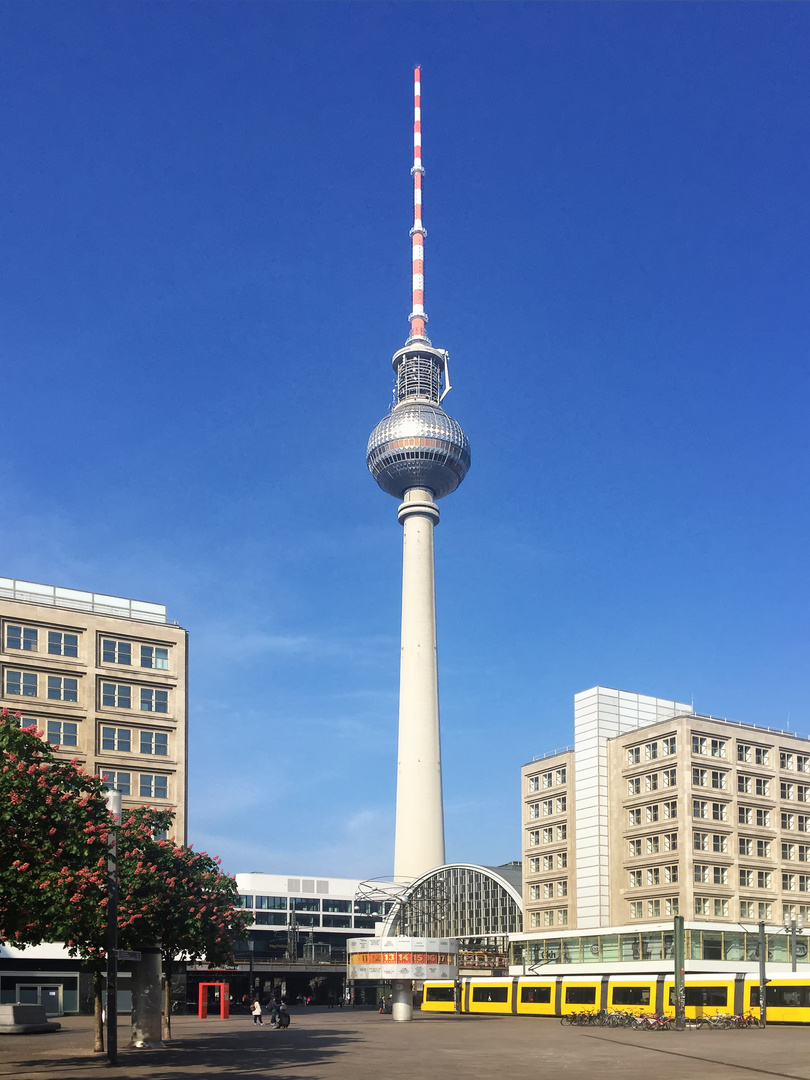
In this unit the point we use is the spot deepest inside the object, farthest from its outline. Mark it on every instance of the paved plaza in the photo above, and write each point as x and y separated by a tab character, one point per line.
332	1044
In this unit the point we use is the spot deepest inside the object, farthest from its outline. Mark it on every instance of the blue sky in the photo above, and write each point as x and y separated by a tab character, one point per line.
206	271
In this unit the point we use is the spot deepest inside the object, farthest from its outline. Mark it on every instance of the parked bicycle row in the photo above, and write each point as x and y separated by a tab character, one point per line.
657	1021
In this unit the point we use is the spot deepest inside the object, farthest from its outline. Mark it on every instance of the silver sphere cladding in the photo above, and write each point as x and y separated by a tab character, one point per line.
418	445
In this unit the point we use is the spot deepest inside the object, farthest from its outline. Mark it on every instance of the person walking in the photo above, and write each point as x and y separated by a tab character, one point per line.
256	1009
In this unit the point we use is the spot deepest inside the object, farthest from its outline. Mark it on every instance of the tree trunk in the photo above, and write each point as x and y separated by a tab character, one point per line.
98	1023
167	999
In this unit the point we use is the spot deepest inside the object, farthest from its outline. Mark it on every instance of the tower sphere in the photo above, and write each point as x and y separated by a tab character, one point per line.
418	445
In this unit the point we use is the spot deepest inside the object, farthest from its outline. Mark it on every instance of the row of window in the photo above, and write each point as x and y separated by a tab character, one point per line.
57	643
548	779
548	836
330	906
667	905
558	916
548	807
558	861
718	875
654	812
548	890
146	785
651	750
652	781
61	688
654	845
66	733
655	875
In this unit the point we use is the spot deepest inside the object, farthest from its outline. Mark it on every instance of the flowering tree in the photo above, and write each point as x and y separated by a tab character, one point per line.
54	832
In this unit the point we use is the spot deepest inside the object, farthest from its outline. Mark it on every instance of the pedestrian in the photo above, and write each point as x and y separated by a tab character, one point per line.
256	1009
274	1013
283	1016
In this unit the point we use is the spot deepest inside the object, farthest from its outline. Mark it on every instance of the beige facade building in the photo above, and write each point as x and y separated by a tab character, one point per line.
659	811
105	680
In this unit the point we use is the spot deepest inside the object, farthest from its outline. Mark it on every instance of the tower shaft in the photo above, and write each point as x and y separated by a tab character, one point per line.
419	841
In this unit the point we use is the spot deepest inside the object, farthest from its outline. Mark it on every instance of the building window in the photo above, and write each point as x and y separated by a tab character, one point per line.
548	890
802	763
154	700
154	786
154	656
700	809
701	841
668	745
634	755
745	815
700	777
61	689
763	818
548	918
116	695
671	874
561	776
701	905
744	752
562	888
789	882
719	811
534	837
761	786
803	852
745	846
651	751
635	879
23	683
561	804
699	745
788	821
562	860
634	817
636	909
654	875
651	812
562	832
760	755
534	810
763	879
720	909
634	786
803	793
763	849
670	841
720	843
785	760
534	892
669	777
789	851
718	747
635	848
671	809
744	784
720	875
63	733
548	779
802	822
701	873
719	779
763	911
21	637
653	909
548	862
651	782
534	866
116	739
534	783
562	916
652	845
155	742
115	652
548	807
548	836
534	918
746	909
60	644
671	905
119	781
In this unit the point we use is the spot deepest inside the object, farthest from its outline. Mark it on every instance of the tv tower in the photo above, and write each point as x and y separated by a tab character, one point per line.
419	454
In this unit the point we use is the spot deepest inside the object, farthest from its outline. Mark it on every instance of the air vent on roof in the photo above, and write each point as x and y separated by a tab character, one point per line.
293	884
307	884
322	886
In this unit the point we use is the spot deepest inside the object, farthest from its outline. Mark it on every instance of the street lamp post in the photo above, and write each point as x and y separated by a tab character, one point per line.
114	806
793	925
763	981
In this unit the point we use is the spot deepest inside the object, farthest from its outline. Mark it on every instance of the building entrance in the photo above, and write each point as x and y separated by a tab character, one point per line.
47	994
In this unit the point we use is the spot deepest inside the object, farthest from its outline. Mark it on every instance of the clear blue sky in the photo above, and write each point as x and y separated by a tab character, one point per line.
206	270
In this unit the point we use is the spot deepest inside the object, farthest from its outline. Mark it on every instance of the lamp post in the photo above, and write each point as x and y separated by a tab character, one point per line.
114	806
793	925
763	981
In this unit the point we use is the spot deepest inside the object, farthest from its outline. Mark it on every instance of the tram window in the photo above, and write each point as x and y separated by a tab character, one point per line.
439	993
783	997
490	993
535	995
580	995
703	995
631	995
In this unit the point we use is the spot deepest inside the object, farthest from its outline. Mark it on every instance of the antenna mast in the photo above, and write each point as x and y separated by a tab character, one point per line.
417	317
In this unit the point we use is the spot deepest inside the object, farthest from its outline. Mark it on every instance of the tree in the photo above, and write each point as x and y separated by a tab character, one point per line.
54	834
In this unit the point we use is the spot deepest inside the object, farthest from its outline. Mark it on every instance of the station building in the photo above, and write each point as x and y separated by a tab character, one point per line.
657	811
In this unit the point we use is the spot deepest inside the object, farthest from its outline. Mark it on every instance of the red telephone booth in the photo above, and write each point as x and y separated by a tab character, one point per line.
224	1006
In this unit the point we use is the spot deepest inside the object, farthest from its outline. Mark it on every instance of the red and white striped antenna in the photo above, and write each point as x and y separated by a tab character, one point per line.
417	317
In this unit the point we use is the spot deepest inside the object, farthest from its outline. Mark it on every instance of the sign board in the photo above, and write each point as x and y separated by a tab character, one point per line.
402	958
124	955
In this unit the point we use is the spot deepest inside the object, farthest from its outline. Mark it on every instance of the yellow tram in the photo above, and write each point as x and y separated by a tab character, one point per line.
711	994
